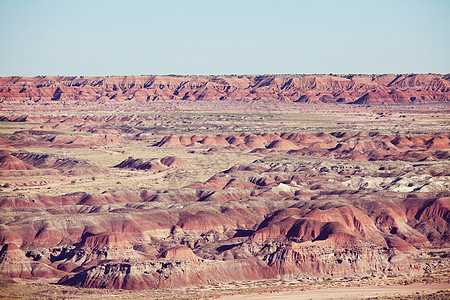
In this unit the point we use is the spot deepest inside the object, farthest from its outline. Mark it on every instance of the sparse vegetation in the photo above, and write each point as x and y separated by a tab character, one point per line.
139	131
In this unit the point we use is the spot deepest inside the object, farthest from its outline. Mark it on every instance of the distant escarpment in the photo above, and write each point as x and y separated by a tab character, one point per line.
354	89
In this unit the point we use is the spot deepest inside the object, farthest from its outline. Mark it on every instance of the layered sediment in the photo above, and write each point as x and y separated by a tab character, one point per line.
357	89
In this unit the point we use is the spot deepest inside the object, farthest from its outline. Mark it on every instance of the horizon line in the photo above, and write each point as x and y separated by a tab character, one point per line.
233	75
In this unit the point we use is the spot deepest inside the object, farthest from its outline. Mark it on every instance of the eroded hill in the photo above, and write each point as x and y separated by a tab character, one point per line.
357	89
148	200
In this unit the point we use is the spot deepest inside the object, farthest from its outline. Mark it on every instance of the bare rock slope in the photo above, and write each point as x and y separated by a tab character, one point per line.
105	198
361	146
268	219
358	89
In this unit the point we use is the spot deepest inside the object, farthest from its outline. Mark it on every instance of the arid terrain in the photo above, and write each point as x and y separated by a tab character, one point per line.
356	89
191	187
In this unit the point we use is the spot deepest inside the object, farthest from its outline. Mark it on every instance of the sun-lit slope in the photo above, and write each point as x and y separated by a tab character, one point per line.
270	218
140	198
358	89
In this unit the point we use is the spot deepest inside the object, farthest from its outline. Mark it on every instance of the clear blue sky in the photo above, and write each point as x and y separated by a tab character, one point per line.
56	37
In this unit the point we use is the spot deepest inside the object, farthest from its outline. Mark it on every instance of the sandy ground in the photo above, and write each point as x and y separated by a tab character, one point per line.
347	292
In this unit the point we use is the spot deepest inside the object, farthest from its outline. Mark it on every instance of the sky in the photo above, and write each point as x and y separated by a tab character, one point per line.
208	37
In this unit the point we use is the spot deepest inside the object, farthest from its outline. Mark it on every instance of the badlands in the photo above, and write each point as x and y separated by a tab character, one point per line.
197	187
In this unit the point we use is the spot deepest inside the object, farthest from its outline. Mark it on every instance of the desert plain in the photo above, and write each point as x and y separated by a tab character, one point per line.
201	187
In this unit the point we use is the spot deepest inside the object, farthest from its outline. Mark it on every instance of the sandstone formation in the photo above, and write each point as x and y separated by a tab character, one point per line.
357	89
361	146
316	191
267	219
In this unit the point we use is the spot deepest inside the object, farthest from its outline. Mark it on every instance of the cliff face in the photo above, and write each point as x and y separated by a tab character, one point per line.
358	89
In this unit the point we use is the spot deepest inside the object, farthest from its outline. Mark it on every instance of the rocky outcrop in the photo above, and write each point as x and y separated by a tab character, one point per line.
359	146
273	218
152	164
358	89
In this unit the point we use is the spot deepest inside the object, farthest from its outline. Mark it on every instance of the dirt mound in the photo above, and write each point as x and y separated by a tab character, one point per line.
106	240
53	161
282	145
139	164
315	224
377	97
10	162
53	139
214	141
169	141
358	147
178	253
61	126
255	141
438	143
152	164
77	198
172	161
